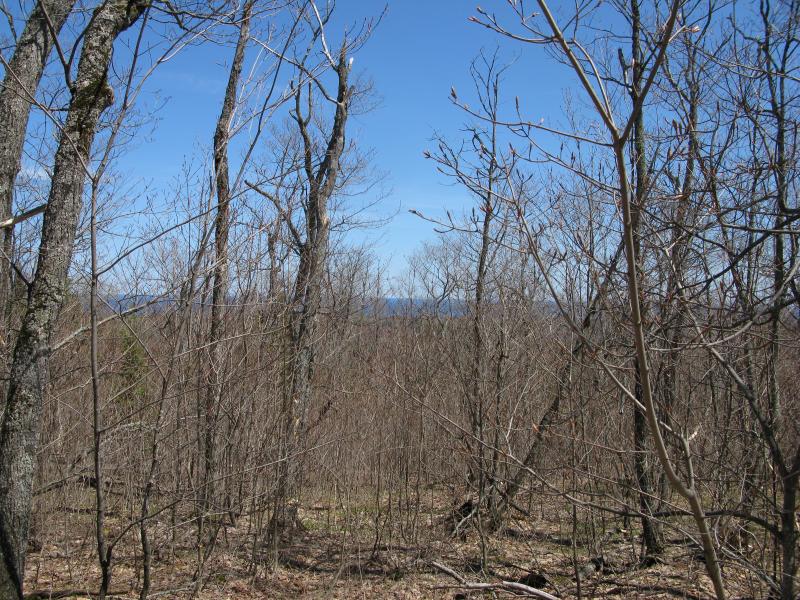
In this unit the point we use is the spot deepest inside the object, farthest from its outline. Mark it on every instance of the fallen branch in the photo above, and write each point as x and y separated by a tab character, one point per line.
46	595
509	586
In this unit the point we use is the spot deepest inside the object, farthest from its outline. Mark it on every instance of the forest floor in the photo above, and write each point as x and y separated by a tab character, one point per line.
358	554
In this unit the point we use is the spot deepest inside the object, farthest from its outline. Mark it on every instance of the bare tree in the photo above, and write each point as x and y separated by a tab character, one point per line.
478	165
219	298
22	75
619	137
91	96
319	185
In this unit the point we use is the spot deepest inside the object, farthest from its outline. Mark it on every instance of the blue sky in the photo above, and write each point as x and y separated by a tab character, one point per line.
419	50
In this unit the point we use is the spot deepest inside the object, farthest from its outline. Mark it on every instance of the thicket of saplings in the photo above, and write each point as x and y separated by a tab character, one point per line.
390	457
585	386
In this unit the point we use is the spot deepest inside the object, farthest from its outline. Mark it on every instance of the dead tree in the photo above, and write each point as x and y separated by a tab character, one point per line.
479	166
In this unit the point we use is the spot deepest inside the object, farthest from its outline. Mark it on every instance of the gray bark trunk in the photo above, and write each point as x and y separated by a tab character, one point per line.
20	426
214	394
308	288
643	467
789	535
16	97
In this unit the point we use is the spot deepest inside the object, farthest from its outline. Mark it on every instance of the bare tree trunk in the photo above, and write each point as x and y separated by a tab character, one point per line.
643	468
22	75
214	393
20	426
476	407
619	141
789	535
306	299
479	472
104	550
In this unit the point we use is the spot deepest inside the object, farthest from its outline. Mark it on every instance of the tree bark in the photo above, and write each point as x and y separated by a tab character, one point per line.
214	393
21	420
789	535
307	294
643	469
23	73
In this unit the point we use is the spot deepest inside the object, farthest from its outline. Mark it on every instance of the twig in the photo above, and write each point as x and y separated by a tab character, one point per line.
509	586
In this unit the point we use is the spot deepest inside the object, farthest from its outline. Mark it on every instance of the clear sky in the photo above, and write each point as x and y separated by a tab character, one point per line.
419	50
